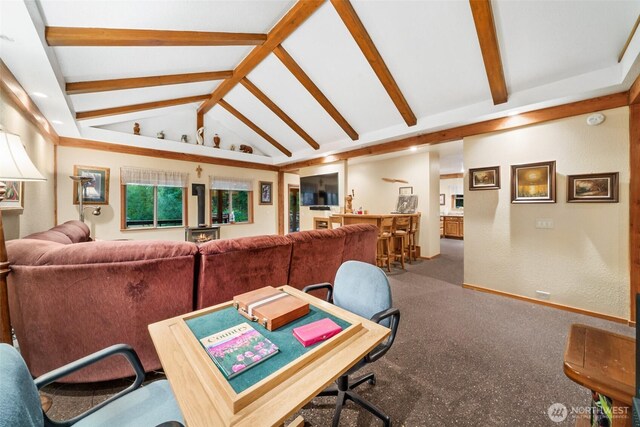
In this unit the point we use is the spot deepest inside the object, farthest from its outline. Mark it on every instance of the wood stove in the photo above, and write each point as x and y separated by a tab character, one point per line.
201	234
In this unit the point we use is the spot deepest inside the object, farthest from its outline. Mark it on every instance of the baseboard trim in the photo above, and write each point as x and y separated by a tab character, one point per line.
549	304
429	257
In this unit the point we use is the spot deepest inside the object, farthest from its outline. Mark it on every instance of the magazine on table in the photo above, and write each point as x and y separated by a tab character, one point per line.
238	348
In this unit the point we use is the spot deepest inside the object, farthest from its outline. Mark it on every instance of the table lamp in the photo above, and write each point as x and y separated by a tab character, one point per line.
15	165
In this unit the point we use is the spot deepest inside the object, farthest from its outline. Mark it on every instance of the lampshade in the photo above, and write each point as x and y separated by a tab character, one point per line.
15	164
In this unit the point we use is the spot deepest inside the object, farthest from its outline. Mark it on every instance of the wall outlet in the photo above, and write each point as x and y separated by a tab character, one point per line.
544	223
543	295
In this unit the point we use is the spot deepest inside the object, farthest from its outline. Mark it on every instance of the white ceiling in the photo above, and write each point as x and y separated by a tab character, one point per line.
552	51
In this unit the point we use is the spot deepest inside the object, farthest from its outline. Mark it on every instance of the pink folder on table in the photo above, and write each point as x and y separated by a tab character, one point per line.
317	331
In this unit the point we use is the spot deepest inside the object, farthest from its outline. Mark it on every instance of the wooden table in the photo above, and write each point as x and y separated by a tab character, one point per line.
604	362
348	219
201	395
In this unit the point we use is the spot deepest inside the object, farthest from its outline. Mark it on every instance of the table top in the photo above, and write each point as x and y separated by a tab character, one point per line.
195	380
602	361
376	215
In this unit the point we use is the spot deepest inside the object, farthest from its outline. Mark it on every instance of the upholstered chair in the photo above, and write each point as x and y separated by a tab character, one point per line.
149	405
362	289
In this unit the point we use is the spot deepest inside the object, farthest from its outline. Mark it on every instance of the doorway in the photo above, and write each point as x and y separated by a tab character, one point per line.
294	208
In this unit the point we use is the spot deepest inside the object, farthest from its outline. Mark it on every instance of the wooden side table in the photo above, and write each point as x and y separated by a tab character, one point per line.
604	362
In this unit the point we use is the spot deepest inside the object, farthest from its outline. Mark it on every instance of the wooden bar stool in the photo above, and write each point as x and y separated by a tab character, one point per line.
383	250
411	243
335	221
401	228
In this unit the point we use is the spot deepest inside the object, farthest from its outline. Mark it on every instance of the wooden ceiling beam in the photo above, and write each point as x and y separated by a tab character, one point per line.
287	25
634	92
631	34
504	123
75	88
253	127
83	115
78	36
486	30
90	144
278	112
361	36
311	87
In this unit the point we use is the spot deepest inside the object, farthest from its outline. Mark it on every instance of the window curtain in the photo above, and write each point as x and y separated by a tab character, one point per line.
139	176
235	184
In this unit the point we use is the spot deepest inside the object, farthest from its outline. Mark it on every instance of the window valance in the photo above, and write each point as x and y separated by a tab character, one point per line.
140	176
236	184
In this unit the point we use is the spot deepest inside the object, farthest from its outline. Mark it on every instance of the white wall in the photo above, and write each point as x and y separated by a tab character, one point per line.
584	260
39	207
376	196
449	187
107	225
306	214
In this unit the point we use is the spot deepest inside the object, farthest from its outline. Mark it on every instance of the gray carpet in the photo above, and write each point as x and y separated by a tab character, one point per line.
461	358
466	358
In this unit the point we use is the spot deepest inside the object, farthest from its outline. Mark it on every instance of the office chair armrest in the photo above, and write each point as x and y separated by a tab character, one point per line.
394	314
326	286
123	349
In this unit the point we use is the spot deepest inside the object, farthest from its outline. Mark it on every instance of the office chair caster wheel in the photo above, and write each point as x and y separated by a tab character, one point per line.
372	381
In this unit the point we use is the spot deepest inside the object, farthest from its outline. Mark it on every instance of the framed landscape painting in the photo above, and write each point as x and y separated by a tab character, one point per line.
484	178
533	183
14	196
266	190
96	192
593	188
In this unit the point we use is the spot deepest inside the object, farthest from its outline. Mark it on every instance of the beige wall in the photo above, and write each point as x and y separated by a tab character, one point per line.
39	207
107	225
376	196
448	187
306	214
584	260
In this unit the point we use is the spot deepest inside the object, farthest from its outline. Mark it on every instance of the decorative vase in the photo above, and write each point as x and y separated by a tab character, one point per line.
136	129
216	141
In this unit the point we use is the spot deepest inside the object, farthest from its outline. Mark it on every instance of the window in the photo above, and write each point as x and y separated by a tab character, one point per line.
152	199
231	201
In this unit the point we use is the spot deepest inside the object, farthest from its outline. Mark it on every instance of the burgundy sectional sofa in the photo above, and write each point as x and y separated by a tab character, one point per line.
70	296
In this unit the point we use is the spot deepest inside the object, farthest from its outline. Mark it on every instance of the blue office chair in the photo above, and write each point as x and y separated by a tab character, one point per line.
362	289
151	405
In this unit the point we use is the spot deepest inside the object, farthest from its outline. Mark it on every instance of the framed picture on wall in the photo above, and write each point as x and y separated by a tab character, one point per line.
14	196
406	191
593	188
533	183
266	193
484	178
96	191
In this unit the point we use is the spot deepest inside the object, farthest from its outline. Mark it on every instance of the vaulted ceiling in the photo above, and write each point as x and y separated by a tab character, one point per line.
299	80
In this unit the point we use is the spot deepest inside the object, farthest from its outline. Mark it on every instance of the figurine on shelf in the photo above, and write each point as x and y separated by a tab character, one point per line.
184	138
349	204
160	135
246	149
136	129
200	136
216	141
232	148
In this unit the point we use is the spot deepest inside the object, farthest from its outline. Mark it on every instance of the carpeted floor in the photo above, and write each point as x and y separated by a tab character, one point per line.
461	358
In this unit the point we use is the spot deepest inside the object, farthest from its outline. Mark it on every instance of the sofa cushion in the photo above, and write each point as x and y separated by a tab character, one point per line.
75	230
114	251
315	256
234	266
360	243
50	236
28	251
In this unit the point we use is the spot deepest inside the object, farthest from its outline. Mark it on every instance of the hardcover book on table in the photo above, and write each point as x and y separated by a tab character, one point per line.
237	349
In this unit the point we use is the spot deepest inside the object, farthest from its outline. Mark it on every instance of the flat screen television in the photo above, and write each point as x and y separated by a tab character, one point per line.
319	190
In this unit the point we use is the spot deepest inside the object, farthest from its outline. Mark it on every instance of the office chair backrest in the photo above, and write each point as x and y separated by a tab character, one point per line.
19	398
362	289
